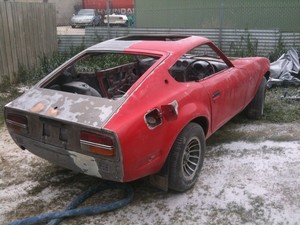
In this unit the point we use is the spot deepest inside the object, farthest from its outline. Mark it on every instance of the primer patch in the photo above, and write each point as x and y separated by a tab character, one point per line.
105	112
87	164
39	107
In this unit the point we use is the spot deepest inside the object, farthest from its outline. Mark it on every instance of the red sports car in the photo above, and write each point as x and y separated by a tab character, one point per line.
137	106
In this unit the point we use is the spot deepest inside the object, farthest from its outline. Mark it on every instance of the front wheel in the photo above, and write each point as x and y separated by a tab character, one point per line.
255	109
186	158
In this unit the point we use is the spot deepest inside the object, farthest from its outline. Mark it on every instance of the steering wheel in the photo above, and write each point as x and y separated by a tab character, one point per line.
197	71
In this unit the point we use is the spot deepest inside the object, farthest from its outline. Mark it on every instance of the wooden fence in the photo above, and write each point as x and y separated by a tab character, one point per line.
27	32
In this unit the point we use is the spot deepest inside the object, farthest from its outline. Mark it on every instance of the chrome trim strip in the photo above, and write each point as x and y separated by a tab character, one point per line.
107	147
16	124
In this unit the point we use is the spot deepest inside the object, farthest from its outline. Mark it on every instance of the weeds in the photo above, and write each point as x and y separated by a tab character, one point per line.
46	65
278	51
278	110
8	93
245	48
28	77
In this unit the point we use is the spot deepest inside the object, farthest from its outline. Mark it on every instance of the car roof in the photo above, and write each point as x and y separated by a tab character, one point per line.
151	43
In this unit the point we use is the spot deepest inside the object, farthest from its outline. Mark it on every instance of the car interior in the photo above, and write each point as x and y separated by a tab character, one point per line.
190	68
109	77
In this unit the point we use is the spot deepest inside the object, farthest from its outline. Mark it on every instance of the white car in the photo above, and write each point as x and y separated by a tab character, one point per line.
116	19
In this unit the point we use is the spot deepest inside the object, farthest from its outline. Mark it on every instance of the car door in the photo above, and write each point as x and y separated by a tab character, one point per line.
226	96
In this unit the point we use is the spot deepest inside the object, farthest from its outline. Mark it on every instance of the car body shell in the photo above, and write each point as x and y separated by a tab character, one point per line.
55	119
116	19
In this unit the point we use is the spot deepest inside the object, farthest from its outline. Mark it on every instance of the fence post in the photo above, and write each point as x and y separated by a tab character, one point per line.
107	14
221	24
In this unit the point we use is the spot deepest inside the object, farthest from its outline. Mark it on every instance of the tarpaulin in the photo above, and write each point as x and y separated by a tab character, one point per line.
282	70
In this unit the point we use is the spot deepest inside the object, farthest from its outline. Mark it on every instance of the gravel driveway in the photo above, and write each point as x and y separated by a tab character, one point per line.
68	30
250	176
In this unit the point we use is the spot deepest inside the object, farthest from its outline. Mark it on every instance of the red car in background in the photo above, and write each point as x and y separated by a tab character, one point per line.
137	106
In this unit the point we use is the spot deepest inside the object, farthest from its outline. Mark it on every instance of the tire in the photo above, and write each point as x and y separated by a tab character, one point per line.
255	109
125	24
186	158
73	26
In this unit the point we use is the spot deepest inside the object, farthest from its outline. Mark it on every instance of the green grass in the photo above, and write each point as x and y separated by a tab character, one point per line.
8	92
278	110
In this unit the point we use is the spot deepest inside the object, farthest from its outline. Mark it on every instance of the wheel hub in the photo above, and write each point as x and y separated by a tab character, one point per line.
191	158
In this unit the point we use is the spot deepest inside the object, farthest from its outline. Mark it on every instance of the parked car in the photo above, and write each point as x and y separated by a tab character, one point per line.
137	106
116	19
86	17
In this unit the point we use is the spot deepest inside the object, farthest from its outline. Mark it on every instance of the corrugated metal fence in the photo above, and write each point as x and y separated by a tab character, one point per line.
27	31
229	40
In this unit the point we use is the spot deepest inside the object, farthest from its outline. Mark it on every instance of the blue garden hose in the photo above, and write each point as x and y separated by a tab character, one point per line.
71	210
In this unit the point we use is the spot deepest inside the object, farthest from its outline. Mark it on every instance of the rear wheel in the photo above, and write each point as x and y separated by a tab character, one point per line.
255	109
186	158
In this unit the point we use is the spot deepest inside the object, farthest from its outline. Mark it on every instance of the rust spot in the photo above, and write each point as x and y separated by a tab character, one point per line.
52	111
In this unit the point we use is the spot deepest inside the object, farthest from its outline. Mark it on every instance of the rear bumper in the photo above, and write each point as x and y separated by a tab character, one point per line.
104	168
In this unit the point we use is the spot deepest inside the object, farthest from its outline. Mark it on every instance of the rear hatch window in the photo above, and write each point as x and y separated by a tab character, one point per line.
105	75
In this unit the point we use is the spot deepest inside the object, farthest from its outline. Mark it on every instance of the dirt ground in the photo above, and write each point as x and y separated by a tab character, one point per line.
249	177
68	30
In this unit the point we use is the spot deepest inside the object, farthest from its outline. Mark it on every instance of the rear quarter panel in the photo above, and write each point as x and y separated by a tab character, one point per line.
145	149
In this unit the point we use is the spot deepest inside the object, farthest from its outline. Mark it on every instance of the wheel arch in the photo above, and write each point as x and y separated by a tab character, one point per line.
203	122
189	113
160	179
267	75
200	120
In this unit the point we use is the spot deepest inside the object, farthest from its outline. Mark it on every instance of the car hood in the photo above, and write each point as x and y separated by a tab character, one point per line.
87	110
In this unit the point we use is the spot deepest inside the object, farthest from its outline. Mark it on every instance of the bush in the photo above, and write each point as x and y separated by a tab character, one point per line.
278	51
245	48
28	77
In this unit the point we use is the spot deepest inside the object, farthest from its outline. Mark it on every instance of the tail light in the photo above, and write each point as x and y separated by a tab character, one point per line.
97	143
17	122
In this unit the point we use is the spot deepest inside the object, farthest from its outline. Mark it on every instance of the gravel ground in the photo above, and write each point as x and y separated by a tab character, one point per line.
249	177
68	30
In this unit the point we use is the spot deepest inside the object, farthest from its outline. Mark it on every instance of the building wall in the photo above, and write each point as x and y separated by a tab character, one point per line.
64	8
237	14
